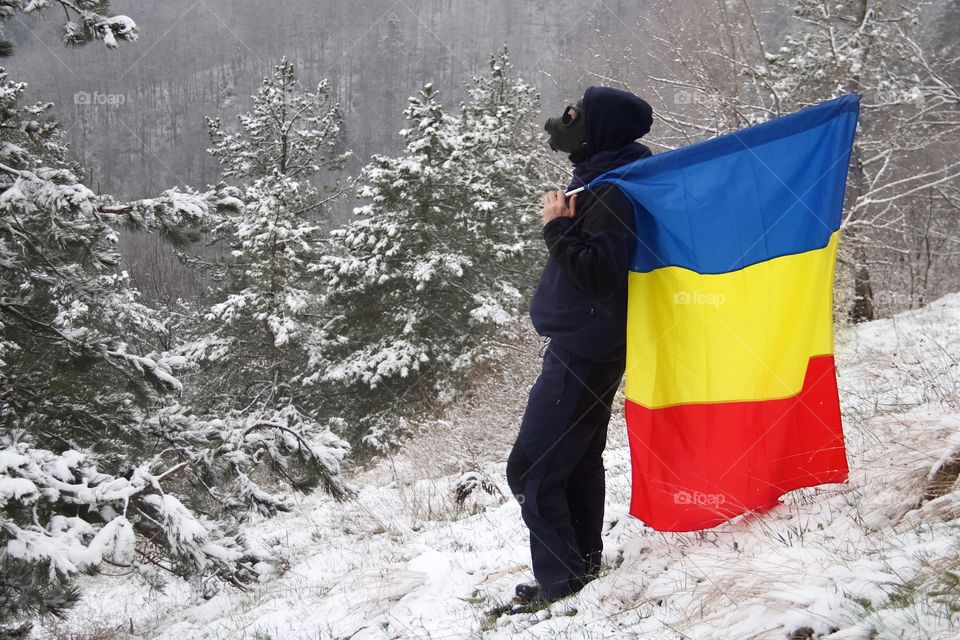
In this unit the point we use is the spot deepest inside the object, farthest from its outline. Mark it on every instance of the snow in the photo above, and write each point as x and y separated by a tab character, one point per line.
109	29
871	558
490	310
160	370
10	459
189	205
64	551
17	489
115	542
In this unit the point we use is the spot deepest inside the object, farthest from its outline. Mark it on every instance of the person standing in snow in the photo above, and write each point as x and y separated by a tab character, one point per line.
555	468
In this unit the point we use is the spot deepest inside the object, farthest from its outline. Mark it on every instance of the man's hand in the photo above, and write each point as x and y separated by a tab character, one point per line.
555	206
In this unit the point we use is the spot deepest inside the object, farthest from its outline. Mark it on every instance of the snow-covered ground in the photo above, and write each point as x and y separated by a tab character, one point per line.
877	557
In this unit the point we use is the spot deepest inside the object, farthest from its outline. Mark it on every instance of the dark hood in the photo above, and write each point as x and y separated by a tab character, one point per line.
614	120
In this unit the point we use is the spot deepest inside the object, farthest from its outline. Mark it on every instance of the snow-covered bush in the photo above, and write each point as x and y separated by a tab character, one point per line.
60	515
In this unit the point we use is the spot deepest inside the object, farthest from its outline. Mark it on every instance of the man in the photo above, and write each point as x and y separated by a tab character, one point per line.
555	468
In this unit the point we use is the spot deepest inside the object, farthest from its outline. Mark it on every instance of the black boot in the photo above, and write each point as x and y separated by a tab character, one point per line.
527	593
529	598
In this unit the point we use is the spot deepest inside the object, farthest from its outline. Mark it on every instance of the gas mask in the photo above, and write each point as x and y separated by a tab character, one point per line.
569	131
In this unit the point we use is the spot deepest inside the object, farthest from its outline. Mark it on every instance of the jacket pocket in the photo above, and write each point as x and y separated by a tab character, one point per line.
558	308
562	373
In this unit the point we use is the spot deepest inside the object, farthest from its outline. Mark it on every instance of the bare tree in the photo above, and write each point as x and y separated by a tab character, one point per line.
710	77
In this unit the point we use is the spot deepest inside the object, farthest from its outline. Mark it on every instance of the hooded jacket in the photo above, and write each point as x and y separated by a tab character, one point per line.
581	300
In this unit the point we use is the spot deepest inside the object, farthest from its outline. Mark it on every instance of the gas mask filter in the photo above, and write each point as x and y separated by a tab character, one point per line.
569	131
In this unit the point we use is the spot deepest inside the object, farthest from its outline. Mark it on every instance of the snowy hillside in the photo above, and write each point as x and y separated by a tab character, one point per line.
878	557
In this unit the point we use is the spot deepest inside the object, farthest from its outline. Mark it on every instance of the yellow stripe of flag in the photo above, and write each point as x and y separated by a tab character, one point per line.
744	335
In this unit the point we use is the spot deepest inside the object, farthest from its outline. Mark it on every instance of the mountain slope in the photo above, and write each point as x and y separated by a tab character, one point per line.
876	557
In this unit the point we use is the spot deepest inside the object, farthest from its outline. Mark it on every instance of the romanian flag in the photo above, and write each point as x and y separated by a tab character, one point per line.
730	379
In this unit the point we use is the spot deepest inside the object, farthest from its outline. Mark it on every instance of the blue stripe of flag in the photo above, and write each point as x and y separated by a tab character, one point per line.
769	190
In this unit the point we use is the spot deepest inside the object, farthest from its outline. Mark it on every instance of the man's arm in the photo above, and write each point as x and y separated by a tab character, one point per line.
595	255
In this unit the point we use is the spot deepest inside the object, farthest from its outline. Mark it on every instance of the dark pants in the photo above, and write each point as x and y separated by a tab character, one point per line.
555	469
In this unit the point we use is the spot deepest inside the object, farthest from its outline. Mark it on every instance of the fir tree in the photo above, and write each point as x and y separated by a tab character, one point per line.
91	437
437	265
81	374
250	343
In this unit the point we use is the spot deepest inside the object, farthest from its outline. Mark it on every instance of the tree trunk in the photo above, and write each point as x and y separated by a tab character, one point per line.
862	309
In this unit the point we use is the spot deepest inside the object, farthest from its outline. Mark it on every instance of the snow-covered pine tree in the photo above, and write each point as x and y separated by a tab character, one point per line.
81	371
249	345
434	272
505	164
90	443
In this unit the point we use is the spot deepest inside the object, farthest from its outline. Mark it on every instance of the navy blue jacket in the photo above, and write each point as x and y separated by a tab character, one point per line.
581	301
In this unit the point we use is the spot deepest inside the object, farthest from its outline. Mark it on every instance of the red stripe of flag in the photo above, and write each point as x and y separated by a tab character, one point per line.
697	465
